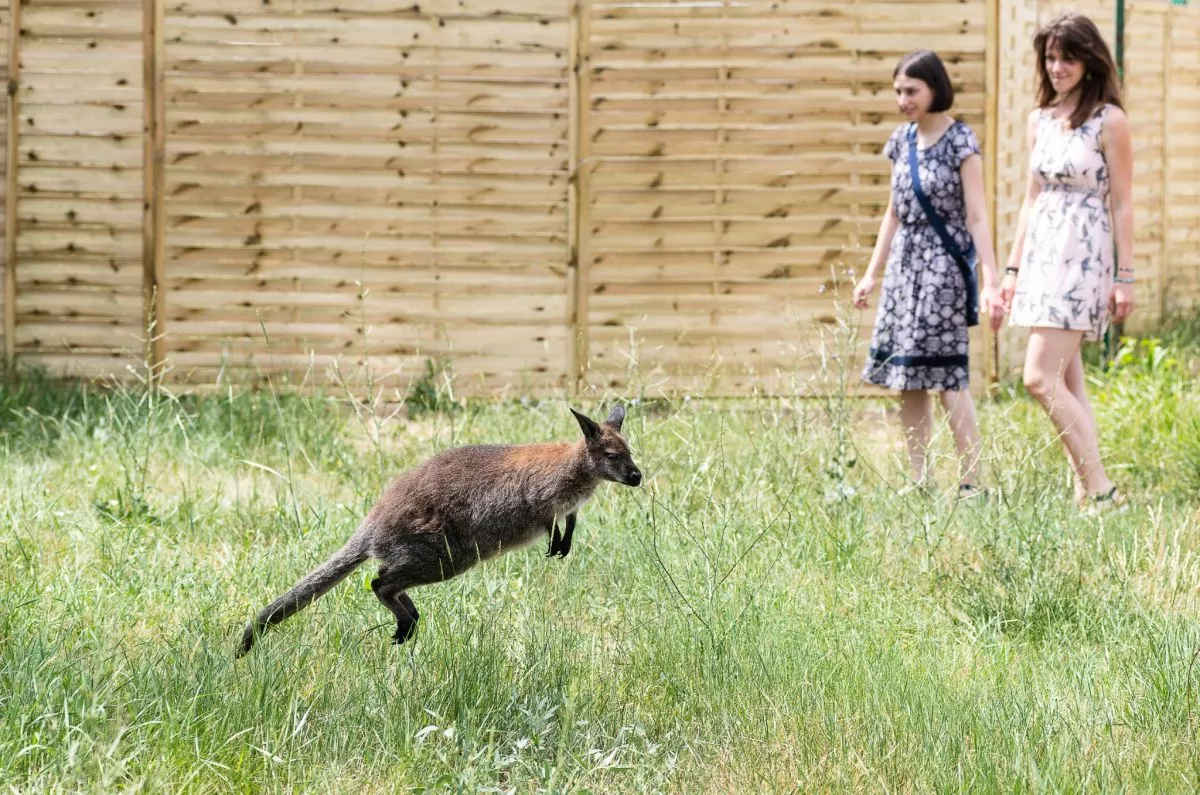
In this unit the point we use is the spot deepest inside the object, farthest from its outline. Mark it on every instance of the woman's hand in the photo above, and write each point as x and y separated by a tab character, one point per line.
1007	288
992	304
1121	302
862	290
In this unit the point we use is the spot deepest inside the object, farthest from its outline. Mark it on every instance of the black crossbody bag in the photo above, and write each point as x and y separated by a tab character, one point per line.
965	261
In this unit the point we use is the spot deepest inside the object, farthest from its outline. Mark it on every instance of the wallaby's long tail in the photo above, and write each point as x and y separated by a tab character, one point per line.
308	590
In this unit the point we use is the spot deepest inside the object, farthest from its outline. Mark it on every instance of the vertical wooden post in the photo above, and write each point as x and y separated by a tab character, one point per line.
577	196
11	187
153	210
719	226
1119	55
991	165
1164	207
857	149
572	196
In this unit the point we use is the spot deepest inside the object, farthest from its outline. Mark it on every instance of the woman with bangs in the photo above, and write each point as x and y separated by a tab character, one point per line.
1059	281
940	273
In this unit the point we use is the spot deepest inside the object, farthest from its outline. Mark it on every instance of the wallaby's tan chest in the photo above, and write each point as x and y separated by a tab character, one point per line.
572	504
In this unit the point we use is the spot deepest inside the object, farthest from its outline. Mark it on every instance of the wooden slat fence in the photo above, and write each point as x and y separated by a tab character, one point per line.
1162	46
529	198
370	179
76	196
734	179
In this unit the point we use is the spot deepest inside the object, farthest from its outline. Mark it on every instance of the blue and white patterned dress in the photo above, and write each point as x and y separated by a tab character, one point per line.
920	336
1066	273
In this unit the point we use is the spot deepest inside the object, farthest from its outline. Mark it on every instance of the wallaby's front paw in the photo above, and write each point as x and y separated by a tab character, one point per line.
555	542
564	543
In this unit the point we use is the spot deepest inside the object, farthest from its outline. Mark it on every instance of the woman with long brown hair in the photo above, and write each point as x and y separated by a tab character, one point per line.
1060	280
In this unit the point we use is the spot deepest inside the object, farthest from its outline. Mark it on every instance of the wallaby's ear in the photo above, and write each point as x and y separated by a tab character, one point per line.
590	429
615	418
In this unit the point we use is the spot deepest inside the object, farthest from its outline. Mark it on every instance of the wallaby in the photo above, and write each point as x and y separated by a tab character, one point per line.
460	507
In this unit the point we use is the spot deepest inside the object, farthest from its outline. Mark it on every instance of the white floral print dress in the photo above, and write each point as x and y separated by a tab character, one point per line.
1066	273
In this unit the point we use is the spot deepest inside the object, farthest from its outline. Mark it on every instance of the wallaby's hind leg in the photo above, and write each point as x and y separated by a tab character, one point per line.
418	560
395	599
405	629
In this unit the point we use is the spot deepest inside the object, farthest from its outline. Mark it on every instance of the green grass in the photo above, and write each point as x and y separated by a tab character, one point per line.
764	614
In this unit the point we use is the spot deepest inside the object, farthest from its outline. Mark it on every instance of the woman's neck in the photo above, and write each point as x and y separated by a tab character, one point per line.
1065	104
933	123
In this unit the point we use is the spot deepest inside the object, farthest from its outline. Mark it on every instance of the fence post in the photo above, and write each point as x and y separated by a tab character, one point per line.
12	149
1165	195
153	156
1119	23
577	198
991	161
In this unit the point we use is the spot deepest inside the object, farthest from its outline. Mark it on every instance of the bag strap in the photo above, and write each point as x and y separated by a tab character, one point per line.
935	220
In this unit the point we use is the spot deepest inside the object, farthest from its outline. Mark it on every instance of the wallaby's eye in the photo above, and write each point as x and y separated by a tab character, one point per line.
613	455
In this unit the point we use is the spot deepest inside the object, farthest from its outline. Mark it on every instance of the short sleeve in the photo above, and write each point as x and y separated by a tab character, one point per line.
965	144
891	150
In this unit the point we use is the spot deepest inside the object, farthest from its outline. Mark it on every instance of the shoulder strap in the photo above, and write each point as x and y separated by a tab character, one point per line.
935	220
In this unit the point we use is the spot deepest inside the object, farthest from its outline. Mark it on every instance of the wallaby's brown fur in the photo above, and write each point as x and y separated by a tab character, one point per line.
463	506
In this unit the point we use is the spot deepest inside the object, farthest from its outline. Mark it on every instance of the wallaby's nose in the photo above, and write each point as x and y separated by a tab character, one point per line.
635	477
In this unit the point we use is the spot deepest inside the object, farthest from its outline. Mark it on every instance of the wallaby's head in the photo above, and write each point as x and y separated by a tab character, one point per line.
607	449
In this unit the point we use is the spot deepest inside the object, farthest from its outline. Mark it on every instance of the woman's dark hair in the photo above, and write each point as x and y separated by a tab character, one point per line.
1077	39
926	66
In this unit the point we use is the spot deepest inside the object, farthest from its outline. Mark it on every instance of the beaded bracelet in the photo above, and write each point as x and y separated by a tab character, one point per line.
1123	280
1012	270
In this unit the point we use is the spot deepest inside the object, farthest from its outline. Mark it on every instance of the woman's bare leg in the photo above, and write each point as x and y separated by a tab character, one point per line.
1075	383
960	408
917	419
1048	358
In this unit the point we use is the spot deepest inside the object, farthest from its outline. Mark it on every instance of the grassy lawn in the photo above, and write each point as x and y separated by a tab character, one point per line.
767	613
